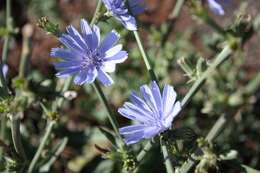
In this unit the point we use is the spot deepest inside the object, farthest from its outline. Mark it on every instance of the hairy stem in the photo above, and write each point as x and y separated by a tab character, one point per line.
96	14
166	157
224	54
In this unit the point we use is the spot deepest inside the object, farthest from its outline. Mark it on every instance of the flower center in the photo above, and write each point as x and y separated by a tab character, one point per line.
92	59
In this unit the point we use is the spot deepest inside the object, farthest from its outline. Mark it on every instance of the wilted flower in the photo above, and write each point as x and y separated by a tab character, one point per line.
215	6
119	10
86	57
154	112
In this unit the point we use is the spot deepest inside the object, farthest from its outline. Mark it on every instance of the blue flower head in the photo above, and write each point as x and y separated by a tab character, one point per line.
154	112
215	6
119	10
86	57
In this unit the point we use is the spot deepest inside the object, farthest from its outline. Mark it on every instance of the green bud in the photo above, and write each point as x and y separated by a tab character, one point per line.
207	161
53	116
129	162
48	26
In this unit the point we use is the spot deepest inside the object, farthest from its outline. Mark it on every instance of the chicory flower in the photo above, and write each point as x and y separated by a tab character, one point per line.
86	57
215	6
154	112
118	8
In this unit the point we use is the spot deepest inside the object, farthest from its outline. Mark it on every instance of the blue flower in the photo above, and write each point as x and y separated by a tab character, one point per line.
86	57
5	70
216	7
154	112
119	10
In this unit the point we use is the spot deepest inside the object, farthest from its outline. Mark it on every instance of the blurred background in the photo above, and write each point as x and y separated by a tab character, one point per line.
233	89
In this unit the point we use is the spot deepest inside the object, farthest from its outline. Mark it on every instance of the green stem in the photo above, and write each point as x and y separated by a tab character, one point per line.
143	152
16	136
6	46
41	147
61	146
224	54
145	57
24	56
55	105
96	14
110	114
253	85
3	126
9	28
167	160
177	9
3	61
171	21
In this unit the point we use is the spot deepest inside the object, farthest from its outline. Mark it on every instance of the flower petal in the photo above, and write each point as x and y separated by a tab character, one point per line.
67	72
114	50
65	54
66	64
117	58
170	117
110	39
133	112
169	97
95	38
131	129
151	131
216	7
86	31
134	137
5	69
70	43
77	37
137	101
109	67
149	99
129	22
157	95
136	6
104	78
86	76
